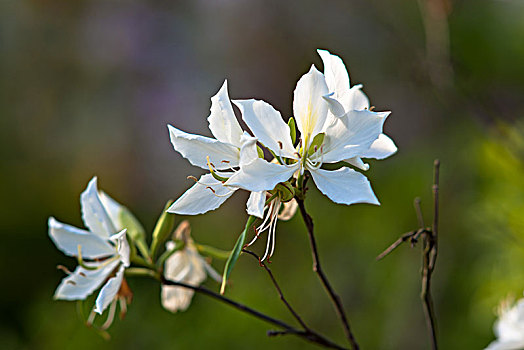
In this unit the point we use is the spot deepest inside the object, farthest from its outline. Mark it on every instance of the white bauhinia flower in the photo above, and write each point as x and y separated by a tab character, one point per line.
344	98
324	139
221	154
187	266
509	328
102	249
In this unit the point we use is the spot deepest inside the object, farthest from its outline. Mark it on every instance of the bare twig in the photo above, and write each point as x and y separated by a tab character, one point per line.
279	290
287	329
318	269
429	257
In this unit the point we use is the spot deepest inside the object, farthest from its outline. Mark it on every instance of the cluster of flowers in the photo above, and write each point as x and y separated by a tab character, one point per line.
336	125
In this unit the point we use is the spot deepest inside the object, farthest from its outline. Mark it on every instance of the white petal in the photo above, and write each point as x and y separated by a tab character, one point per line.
309	107
197	148
67	238
352	134
109	291
357	162
113	209
335	107
381	148
355	98
248	151
337	77
82	282
222	120
506	345
182	266
120	240
267	125
261	175
93	212
200	198
344	186
256	203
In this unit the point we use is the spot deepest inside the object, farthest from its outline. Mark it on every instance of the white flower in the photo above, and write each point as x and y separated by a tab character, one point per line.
342	137
187	266
509	328
344	98
222	154
103	244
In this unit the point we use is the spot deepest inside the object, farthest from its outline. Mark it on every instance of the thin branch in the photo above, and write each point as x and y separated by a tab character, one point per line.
311	337
318	269
429	257
279	290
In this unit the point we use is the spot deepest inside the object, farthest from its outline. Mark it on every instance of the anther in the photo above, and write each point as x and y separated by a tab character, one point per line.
280	144
191	177
371	108
82	274
226	161
211	189
71	282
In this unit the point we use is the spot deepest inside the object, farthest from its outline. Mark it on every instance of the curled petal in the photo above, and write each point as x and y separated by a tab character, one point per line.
205	195
196	149
256	203
94	214
261	175
381	148
67	238
120	240
267	125
248	151
109	291
344	186
222	120
337	77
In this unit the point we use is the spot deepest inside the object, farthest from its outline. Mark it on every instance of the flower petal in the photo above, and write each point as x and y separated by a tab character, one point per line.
309	108
381	148
120	240
222	120
109	291
267	125
256	203
355	99
344	186
205	195
113	209
67	238
248	151
197	148
357	162
82	282
261	175
182	266
337	77
290	208
94	214
352	134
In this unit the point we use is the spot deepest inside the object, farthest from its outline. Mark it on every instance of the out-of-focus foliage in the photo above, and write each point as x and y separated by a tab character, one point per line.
87	87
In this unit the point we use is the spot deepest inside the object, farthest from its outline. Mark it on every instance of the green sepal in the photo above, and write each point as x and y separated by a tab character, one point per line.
163	228
212	251
260	152
235	253
135	231
316	143
292	129
286	191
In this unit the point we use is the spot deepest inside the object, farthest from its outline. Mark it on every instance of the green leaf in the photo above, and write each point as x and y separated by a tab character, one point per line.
135	231
163	228
292	129
316	143
260	152
235	253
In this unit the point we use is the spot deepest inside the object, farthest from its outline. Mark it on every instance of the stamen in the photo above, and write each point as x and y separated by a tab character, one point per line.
371	108
82	274
63	268
226	161
110	316
123	307
71	282
91	318
211	188
280	144
191	177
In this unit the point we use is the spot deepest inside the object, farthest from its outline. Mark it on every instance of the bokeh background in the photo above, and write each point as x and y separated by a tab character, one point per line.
87	87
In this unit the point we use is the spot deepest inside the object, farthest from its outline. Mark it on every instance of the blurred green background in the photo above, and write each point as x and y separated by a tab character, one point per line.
87	87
